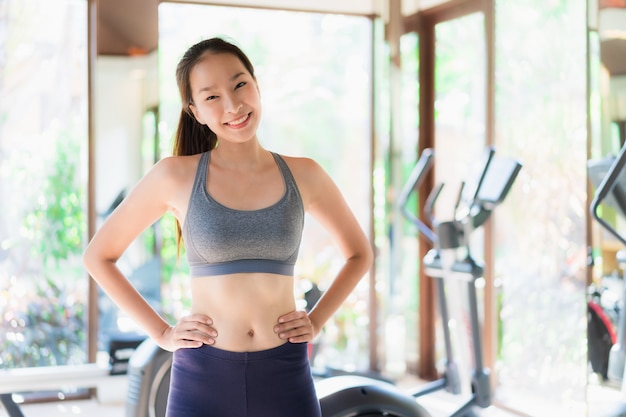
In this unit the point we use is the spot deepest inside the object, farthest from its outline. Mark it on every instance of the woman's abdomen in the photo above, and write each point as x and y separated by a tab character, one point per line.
244	308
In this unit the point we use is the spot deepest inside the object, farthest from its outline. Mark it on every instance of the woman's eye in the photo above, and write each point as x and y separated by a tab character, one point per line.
209	98
241	84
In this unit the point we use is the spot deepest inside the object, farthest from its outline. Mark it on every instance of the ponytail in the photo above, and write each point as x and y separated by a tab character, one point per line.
191	138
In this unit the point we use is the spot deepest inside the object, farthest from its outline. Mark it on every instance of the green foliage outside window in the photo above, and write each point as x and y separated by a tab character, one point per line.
57	224
46	324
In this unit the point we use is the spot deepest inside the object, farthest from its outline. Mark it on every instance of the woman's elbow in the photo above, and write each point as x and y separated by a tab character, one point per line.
369	256
365	257
93	258
89	259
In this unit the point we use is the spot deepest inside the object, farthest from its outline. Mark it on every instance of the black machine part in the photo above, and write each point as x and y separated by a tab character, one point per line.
355	396
487	188
148	381
612	189
422	166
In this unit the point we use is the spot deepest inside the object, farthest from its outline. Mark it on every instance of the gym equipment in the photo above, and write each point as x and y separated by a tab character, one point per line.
606	175
148	381
612	191
450	259
358	396
601	336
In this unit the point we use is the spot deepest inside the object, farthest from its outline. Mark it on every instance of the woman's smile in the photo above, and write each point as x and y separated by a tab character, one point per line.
237	123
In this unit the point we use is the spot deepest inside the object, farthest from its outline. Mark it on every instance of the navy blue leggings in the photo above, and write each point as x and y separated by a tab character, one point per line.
210	382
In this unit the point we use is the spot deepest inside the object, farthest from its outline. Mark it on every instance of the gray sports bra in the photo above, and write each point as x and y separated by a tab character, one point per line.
221	240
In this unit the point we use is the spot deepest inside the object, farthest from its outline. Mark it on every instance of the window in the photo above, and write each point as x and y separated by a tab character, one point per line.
540	235
43	141
459	143
397	272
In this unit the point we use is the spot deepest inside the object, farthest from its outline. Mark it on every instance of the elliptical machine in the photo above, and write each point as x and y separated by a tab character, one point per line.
449	259
612	191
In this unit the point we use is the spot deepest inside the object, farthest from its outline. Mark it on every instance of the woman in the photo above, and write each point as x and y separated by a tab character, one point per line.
240	209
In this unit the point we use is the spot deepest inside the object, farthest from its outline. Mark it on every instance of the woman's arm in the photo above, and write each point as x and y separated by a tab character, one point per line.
144	205
324	201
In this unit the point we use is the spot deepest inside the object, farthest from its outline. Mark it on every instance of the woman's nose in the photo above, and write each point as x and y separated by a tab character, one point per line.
234	105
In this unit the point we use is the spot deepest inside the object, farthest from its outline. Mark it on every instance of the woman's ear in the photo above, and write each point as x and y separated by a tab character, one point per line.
194	110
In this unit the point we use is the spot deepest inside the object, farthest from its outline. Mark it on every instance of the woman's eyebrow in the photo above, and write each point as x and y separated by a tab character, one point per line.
212	87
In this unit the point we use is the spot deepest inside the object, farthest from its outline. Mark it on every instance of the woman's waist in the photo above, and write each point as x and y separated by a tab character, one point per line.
282	351
265	287
243	299
240	334
244	318
256	320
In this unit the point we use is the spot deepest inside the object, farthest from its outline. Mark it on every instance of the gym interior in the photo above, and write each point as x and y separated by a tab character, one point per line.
479	143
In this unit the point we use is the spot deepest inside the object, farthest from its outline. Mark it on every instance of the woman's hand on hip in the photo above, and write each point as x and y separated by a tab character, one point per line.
296	327
191	331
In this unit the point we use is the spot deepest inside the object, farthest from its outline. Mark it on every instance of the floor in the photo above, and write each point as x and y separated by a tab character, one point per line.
92	409
439	404
603	402
89	408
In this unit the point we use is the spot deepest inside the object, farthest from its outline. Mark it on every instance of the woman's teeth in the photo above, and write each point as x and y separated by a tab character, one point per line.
238	121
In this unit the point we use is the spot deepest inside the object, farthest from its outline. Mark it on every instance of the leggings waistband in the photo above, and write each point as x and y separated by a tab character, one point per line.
281	351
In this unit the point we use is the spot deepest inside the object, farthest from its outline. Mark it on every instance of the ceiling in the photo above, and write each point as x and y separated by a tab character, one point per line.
613	56
130	27
611	26
127	27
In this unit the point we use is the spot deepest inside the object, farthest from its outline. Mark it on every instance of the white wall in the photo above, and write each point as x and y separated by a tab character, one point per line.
125	87
359	7
617	97
362	7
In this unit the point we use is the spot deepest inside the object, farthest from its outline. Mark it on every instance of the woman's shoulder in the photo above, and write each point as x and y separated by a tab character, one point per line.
308	173
172	172
300	164
173	166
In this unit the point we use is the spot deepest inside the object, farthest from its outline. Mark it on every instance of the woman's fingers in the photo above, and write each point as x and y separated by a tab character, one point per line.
295	327
193	331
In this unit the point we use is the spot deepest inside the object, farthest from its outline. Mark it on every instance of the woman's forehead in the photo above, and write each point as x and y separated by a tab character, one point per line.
217	66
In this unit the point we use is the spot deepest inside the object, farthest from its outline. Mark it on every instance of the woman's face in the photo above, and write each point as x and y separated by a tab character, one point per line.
225	97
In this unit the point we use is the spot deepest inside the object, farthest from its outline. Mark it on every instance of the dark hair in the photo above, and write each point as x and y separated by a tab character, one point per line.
192	137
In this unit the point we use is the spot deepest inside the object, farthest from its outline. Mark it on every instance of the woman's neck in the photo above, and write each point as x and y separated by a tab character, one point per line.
240	156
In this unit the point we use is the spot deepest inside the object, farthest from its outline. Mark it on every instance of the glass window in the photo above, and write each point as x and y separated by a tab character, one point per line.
397	265
540	232
460	139
460	105
314	72
43	142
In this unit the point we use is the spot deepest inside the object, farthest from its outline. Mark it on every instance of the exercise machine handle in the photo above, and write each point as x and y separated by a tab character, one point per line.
606	187
423	165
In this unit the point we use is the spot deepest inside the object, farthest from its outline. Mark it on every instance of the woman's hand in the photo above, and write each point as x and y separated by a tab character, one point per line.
296	327
190	332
